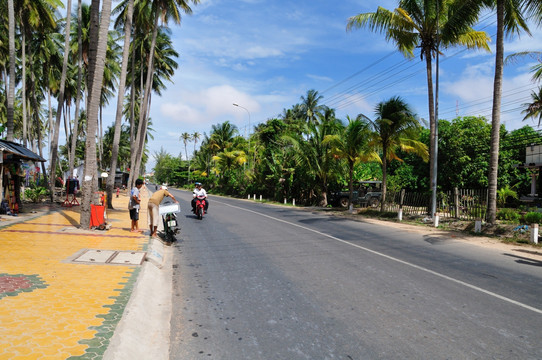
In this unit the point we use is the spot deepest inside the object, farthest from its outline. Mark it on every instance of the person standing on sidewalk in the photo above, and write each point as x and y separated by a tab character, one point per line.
134	205
153	208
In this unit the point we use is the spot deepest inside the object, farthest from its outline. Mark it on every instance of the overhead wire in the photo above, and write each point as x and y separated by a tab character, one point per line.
350	96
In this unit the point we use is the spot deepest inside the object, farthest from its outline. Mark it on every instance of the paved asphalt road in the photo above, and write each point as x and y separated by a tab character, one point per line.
254	281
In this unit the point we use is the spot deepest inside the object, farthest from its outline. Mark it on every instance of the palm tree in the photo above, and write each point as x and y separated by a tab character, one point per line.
395	128
97	54
75	130
11	86
534	109
228	161
186	137
353	145
222	136
314	154
164	10
510	20
310	107
33	16
535	55
413	24
196	136
54	145
127	21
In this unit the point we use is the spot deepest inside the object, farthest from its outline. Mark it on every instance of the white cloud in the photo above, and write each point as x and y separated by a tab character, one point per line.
208	106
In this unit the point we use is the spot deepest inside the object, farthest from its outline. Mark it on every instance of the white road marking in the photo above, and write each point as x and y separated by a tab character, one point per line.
474	287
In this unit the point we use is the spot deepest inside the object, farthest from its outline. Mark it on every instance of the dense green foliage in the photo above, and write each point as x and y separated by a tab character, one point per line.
532	218
295	156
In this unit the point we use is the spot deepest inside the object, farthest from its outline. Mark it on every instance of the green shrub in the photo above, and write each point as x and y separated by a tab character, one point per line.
37	194
508	214
532	218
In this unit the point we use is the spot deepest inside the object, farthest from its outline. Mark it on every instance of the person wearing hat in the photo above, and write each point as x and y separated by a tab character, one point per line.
199	191
153	213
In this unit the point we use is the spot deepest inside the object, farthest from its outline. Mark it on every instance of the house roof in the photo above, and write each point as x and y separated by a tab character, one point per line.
20	151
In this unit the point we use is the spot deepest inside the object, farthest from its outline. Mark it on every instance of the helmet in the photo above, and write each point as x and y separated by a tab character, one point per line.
198	184
164	187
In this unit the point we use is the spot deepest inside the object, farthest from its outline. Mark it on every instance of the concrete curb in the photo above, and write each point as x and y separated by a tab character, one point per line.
144	330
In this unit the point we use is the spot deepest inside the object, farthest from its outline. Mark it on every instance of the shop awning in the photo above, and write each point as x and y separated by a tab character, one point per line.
19	151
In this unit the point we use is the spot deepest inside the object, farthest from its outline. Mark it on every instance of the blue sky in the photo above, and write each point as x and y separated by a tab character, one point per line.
265	55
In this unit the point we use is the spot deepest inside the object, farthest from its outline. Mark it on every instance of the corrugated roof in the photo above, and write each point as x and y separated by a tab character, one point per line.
19	150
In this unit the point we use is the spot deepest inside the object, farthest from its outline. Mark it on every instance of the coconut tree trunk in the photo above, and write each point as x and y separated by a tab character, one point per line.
141	132
97	53
50	132
134	134
432	120
54	145
78	89
23	84
37	119
11	86
496	117
141	144
384	177
350	183
120	101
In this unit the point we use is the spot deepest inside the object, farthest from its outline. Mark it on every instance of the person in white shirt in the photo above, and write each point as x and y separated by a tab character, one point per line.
199	191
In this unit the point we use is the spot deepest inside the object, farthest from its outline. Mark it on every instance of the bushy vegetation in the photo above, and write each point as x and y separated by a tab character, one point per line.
288	157
36	194
510	215
532	218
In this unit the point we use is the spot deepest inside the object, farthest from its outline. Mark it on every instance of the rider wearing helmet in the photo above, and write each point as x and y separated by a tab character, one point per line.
199	191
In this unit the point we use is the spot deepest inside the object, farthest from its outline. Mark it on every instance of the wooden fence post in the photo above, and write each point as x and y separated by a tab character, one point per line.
401	200
456	202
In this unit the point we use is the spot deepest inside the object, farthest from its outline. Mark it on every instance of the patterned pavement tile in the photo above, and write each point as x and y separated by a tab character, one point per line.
51	308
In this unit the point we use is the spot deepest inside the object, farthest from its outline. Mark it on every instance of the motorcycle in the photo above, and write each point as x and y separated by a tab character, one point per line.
200	206
169	213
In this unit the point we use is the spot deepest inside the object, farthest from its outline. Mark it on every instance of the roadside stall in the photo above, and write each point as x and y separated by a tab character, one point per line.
18	166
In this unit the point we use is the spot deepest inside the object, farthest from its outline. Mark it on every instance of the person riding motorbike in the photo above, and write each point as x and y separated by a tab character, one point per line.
199	191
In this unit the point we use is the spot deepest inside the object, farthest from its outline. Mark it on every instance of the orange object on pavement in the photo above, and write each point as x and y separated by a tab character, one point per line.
97	215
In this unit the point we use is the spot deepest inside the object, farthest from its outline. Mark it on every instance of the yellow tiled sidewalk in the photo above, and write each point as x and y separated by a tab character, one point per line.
57	309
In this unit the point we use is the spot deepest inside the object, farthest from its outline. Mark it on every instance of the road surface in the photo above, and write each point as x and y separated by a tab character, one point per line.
256	281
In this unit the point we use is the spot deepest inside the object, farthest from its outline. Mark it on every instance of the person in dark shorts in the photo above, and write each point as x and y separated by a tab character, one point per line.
133	205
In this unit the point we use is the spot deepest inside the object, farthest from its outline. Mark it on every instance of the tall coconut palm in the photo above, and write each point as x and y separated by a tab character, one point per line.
127	21
395	128
196	136
97	54
534	109
186	137
353	145
314	154
33	16
222	136
79	61
163	10
310	106
54	145
413	24
510	20
11	86
112	71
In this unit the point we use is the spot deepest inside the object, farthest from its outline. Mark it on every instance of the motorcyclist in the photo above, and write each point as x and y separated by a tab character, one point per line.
199	191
